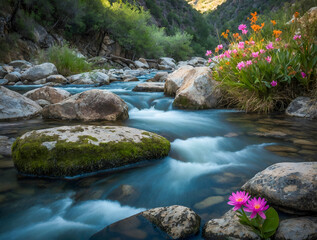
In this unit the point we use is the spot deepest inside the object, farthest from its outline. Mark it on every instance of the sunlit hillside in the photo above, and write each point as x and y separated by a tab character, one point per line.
205	5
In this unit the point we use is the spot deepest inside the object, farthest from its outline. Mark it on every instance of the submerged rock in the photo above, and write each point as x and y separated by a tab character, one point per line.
124	194
15	106
177	221
290	186
302	107
39	72
92	105
227	227
302	228
50	94
149	87
5	145
69	151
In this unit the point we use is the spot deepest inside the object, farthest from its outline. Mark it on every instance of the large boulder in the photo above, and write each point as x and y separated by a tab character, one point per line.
193	87
290	186
13	77
149	87
50	94
166	63
302	107
199	91
178	222
74	150
15	106
175	80
301	228
89	78
20	64
92	105
39	72
227	227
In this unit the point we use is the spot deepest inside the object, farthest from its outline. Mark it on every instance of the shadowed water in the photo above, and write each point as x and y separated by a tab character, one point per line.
213	152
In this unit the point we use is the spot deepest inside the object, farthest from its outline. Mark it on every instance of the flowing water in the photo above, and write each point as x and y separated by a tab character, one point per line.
213	152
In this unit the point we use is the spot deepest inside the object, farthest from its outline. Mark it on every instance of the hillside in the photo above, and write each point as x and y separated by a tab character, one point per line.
205	5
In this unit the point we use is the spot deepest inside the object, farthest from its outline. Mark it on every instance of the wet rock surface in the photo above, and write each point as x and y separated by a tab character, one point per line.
177	221
149	87
89	78
301	228
302	107
15	106
39	72
227	227
5	145
290	186
92	105
50	94
69	151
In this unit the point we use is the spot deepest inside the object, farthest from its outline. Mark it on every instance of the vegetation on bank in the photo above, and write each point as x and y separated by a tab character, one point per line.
130	25
267	64
65	59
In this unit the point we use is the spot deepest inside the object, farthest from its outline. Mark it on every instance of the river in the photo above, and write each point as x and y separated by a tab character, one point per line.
213	152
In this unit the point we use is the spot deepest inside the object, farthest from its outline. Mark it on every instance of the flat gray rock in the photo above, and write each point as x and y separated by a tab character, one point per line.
39	72
150	87
15	106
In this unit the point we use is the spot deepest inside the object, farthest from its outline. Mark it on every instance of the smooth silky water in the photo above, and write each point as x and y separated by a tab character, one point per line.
213	152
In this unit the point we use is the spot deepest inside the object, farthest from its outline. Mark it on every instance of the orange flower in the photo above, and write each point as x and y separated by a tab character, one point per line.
254	17
296	14
256	27
273	22
217	49
235	35
227	63
262	40
220	68
225	35
227	31
277	33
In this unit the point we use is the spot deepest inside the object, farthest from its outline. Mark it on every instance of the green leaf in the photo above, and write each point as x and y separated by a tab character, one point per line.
271	222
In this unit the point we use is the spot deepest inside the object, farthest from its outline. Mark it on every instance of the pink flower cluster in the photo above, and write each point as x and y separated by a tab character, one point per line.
269	46
220	46
254	206
241	65
297	37
243	28
241	45
208	53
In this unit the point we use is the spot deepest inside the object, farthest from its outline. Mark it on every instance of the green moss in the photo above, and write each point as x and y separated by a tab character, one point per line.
146	133
73	158
77	129
185	103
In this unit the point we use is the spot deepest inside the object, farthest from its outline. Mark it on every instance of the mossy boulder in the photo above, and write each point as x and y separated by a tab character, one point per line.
74	150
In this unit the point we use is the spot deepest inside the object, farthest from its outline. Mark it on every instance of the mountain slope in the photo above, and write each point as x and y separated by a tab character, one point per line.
205	5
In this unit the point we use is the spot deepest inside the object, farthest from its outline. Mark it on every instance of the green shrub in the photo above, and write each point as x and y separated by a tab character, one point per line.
264	70
65	59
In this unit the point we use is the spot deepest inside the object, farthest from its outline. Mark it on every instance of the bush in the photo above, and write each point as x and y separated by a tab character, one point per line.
65	59
266	68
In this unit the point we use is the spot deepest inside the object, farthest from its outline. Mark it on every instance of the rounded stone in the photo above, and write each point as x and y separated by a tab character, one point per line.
290	186
50	94
74	150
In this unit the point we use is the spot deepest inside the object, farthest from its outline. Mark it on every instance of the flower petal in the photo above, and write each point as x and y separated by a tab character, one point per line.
262	215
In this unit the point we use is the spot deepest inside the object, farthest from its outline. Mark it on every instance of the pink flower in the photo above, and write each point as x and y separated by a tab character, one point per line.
244	55
269	46
208	53
303	75
256	206
242	27
216	57
297	37
252	42
238	199
227	54
209	60
241	65
273	83
277	39
249	62
221	56
244	32
262	51
255	54
235	51
268	59
241	45
220	47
